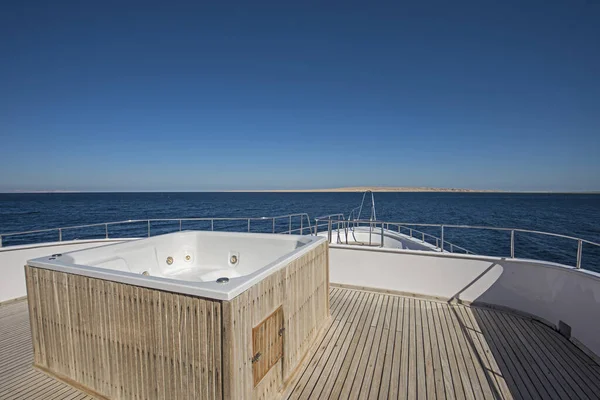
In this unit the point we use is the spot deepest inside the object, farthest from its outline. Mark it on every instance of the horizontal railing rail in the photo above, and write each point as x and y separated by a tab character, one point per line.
412	232
299	218
335	217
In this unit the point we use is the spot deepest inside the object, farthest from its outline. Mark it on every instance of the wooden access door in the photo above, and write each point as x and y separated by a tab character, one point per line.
267	344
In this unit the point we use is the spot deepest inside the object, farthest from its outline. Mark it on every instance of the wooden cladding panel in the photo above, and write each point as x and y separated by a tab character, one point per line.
302	290
122	341
267	344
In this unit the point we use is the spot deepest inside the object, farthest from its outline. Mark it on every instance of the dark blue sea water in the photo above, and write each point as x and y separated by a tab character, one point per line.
570	214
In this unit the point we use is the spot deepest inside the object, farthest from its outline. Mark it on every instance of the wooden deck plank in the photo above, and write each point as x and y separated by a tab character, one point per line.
528	366
405	356
428	349
356	324
316	363
322	358
16	386
532	359
385	365
347	380
369	374
445	365
361	377
437	376
421	383
578	372
324	384
352	349
396	357
590	370
524	386
376	346
479	381
453	369
562	377
492	371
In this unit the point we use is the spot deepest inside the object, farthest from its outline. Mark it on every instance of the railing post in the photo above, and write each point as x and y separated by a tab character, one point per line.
437	242
338	231
248	225
451	248
382	236
329	231
0	241
423	237
442	239
316	226
212	224
148	228
59	234
345	231
301	225
273	219
512	244
290	226
410	230
370	232
579	250
106	231
179	225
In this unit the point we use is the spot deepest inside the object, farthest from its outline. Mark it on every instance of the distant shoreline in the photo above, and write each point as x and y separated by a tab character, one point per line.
356	189
373	189
385	189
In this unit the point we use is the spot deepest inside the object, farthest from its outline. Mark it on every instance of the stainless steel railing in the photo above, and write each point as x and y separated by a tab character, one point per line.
350	226
443	244
298	218
331	218
295	223
414	233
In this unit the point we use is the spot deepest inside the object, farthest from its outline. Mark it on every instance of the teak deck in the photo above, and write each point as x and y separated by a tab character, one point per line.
382	346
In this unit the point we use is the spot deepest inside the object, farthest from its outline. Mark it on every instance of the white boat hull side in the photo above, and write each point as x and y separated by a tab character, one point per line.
550	292
14	258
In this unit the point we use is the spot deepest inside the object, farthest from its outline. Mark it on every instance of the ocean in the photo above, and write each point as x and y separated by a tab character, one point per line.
568	214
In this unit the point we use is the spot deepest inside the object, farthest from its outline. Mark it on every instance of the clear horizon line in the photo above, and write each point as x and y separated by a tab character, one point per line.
380	189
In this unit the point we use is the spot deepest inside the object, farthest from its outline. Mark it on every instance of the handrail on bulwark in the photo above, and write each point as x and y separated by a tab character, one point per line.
441	243
332	222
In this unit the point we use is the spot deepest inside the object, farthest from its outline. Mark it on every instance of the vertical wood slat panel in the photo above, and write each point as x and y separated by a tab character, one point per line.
302	289
122	341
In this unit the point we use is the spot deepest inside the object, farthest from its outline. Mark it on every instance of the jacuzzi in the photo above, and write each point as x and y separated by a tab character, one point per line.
220	314
187	262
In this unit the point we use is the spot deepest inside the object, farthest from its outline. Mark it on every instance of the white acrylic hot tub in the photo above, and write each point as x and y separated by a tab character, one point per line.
155	304
188	262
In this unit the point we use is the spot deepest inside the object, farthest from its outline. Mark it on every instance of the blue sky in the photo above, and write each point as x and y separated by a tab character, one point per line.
129	96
